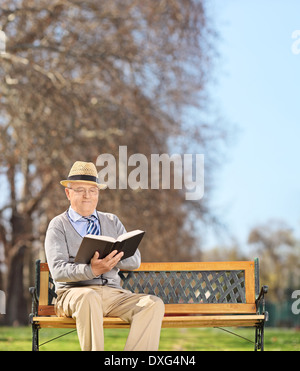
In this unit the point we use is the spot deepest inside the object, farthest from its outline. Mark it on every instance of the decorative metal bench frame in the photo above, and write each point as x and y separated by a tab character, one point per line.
213	294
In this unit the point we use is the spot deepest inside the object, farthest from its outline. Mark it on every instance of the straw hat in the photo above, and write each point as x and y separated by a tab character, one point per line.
83	172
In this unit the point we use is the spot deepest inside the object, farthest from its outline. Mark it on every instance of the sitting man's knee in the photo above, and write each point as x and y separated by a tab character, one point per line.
152	302
88	297
159	304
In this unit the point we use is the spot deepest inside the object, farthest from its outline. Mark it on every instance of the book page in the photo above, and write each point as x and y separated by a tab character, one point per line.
102	238
128	235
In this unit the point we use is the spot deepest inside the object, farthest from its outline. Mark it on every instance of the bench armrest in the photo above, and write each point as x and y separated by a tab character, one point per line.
261	301
35	301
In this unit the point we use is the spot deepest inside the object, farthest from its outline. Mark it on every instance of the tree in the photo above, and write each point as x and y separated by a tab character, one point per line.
81	78
277	248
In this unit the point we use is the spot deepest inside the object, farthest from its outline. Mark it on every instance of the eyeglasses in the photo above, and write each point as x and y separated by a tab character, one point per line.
82	191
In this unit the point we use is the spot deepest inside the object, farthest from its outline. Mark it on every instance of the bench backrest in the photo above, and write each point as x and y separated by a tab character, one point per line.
185	288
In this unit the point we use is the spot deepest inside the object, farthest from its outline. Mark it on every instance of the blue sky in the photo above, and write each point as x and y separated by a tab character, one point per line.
258	89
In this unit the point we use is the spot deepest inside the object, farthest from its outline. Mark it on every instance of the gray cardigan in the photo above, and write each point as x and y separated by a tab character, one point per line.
62	243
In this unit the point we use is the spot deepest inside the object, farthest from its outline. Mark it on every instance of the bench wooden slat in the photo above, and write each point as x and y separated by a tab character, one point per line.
44	284
168	322
250	283
196	266
48	310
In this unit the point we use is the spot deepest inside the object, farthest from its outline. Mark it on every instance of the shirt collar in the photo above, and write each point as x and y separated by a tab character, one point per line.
75	217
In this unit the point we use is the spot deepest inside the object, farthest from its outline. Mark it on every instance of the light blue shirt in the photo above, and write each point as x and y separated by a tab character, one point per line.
80	223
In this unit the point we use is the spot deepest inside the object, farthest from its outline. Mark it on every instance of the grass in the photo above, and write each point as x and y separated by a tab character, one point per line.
19	339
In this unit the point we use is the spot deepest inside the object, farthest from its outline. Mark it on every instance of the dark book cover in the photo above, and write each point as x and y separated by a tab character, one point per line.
128	243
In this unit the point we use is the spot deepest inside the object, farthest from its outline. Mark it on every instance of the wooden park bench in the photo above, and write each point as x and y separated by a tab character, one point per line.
222	294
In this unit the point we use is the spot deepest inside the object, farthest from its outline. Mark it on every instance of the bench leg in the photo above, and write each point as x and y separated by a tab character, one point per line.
35	338
259	337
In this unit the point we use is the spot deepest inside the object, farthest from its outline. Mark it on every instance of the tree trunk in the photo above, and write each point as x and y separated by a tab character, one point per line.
16	310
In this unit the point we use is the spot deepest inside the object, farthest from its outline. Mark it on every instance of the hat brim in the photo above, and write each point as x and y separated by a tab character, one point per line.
66	182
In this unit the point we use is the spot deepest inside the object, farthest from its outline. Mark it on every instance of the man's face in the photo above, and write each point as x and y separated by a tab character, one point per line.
83	197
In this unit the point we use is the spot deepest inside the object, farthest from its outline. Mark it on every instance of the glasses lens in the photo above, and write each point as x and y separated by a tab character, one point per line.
82	191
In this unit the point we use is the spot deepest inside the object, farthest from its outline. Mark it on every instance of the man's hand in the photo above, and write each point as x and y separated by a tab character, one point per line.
100	266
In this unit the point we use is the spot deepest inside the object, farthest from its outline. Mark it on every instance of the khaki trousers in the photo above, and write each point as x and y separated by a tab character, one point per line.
89	304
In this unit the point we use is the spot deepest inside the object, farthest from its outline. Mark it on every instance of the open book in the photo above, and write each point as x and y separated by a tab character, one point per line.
127	242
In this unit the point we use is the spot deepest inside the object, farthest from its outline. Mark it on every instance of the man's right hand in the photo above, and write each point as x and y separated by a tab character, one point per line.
100	266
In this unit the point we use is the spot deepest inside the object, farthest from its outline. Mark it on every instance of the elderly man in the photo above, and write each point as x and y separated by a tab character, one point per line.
89	292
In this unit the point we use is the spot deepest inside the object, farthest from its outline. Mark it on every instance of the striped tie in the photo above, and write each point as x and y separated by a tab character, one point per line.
93	227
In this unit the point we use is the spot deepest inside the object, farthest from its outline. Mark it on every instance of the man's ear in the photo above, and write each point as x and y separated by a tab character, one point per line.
67	191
